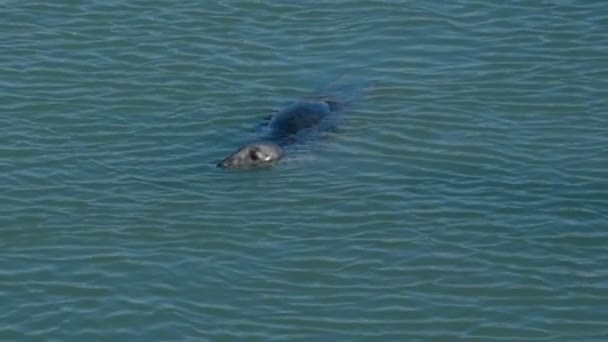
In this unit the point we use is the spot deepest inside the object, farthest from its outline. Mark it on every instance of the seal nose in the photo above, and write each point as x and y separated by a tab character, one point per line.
225	164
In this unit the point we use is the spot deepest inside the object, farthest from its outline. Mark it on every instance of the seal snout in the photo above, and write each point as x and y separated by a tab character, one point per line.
226	162
254	155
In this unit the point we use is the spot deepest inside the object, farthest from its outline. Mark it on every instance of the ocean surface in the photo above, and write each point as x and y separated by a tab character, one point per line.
463	197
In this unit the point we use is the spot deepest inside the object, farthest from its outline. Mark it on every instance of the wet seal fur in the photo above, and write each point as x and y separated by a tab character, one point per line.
284	128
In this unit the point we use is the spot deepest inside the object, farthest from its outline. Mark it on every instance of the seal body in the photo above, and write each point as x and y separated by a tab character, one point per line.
298	117
286	127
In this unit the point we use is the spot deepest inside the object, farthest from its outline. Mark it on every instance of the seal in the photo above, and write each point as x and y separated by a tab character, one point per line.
286	127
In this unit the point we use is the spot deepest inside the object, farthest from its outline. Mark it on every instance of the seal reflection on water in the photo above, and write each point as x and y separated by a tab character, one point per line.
284	128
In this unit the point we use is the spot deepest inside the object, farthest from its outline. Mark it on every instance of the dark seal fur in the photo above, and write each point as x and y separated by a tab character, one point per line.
284	128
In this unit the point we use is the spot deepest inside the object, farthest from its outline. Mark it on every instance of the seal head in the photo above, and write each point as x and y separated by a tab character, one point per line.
263	153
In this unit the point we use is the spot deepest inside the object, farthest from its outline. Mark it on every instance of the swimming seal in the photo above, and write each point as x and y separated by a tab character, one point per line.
284	128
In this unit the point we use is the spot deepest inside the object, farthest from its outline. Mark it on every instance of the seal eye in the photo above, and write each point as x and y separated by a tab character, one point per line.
253	154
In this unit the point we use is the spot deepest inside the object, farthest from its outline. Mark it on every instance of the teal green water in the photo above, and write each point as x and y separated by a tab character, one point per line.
464	196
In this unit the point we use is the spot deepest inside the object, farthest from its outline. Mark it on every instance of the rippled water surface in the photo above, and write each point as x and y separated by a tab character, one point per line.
463	197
